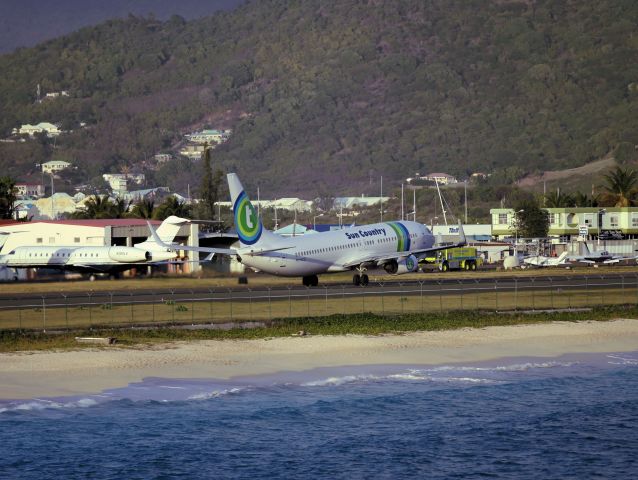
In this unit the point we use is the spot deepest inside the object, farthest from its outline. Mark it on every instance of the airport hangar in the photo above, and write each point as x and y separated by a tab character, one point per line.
105	232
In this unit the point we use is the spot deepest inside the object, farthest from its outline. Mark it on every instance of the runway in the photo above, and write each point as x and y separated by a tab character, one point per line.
389	286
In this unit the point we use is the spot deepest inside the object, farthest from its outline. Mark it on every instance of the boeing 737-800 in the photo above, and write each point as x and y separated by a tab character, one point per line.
394	246
97	259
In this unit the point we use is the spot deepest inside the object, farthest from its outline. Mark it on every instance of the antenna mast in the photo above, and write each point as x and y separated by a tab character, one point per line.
441	200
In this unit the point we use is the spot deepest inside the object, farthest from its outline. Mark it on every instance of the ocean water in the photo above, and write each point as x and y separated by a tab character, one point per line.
570	417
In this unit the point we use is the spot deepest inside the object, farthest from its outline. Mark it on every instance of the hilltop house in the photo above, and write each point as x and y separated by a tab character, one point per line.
54	166
47	128
209	136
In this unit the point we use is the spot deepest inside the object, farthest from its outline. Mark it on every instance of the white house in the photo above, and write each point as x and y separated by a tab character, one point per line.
49	129
55	166
209	136
30	189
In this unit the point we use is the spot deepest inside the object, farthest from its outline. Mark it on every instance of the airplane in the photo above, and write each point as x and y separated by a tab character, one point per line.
97	259
542	261
394	246
598	257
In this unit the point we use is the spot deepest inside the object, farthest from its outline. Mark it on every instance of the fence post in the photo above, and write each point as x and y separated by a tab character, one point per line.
440	295
250	303
210	305
231	304
326	292
307	302
461	289
269	304
153	305
421	285
496	292
90	313
515	293
66	310
289	302
382	300
44	315
551	291
192	307
173	303
401	297
132	313
343	299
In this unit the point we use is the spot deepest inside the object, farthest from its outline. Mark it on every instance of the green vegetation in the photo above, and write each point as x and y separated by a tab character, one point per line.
7	197
362	324
338	92
530	220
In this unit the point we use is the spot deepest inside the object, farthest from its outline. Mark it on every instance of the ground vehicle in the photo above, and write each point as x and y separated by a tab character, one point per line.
461	258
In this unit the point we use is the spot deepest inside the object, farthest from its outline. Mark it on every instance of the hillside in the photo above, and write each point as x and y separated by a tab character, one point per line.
324	96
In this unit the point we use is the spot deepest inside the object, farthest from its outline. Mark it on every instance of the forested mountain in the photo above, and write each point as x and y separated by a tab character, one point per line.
321	96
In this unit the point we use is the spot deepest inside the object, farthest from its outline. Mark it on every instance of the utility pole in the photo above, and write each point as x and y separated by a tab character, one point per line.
381	199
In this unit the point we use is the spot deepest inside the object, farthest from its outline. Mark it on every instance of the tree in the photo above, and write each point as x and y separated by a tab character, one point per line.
558	199
583	200
620	187
530	220
97	206
209	191
172	206
143	209
7	197
119	208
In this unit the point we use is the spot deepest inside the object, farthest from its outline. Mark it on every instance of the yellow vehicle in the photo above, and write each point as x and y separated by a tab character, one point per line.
462	258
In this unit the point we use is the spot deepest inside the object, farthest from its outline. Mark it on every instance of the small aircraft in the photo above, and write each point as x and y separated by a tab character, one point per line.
97	259
395	246
598	257
542	261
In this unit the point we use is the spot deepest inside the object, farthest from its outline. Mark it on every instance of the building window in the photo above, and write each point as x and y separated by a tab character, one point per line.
589	219
38	240
502	218
76	239
634	220
553	218
613	221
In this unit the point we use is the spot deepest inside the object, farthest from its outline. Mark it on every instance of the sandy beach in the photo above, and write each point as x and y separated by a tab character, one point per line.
29	375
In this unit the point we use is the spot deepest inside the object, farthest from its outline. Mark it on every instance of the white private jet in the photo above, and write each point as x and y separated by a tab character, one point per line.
394	246
97	259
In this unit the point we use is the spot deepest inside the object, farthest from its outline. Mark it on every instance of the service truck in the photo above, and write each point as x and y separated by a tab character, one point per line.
460	258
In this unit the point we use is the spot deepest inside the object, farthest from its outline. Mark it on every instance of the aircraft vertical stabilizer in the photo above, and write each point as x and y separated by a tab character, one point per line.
247	222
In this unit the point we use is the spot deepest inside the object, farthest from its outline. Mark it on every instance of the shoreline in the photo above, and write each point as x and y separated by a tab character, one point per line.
28	375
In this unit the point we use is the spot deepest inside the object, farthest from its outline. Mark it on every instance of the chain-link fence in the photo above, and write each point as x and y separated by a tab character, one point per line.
225	305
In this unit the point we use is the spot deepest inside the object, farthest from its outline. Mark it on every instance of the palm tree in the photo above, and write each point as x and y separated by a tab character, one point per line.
620	187
172	206
558	200
583	200
143	209
97	206
119	208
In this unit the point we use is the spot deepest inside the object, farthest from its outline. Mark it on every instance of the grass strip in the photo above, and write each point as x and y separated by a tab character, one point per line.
358	324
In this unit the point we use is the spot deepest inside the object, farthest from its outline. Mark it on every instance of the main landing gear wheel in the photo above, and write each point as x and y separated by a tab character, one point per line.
356	279
364	280
310	281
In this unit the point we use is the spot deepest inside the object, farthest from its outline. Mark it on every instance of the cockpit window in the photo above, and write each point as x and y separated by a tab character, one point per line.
12	252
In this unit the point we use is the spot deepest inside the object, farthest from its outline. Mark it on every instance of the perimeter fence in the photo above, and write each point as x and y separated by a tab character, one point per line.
244	304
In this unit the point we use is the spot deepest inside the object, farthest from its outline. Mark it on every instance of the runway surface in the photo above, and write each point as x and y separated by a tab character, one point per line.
389	286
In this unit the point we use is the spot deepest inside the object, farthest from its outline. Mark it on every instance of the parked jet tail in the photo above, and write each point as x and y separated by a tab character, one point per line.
167	232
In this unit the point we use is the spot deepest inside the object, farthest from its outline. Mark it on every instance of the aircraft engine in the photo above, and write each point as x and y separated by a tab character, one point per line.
129	254
404	265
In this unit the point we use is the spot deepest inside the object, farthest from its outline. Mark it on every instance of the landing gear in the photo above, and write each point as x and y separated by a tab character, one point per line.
362	279
310	281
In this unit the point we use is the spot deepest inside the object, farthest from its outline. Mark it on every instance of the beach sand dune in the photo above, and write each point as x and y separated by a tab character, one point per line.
33	374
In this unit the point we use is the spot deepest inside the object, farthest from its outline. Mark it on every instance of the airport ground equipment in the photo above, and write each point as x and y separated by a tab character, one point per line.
461	258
